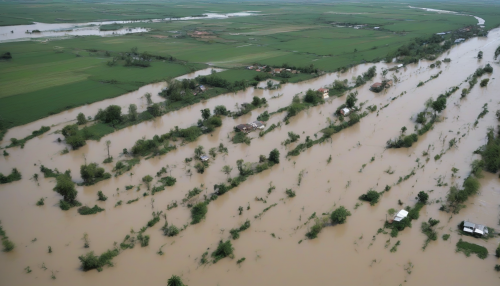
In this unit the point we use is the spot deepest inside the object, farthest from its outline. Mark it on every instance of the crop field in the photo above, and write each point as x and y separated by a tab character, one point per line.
73	70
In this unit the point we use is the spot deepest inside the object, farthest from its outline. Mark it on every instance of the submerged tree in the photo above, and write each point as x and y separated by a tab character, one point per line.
175	281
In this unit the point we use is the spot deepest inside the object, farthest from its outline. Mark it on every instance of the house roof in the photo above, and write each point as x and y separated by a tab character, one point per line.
204	157
244	126
469	224
258	123
400	215
377	84
322	90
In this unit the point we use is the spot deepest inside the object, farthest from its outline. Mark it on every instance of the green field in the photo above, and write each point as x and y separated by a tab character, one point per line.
47	77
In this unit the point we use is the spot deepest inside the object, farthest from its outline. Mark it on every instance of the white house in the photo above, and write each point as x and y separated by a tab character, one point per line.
473	228
401	215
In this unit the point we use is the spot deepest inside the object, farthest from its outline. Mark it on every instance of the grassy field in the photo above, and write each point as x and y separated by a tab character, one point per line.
48	77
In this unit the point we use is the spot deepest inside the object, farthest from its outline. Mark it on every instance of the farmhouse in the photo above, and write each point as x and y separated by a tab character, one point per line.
473	228
204	158
324	92
345	111
400	215
258	125
244	127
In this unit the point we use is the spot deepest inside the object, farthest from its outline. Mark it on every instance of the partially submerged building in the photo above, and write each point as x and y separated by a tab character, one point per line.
258	125
324	92
475	229
204	158
400	215
345	111
244	127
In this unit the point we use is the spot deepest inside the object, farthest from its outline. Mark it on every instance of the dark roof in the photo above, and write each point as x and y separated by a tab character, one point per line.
377	84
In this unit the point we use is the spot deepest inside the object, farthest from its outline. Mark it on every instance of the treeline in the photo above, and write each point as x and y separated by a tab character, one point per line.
13	176
133	58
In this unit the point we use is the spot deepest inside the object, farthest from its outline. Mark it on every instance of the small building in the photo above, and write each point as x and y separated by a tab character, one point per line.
277	70
376	28
250	68
399	66
376	85
202	88
204	158
258	125
324	92
473	228
459	40
345	111
244	127
400	215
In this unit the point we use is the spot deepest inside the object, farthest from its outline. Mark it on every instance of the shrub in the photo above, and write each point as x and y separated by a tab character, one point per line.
198	212
315	230
340	215
168	181
468	248
240	137
171	231
371	196
40	202
484	82
274	156
445	237
422	197
497	251
91	261
175	281
66	188
92	174
290	193
101	196
88	211
7	244
13	176
224	249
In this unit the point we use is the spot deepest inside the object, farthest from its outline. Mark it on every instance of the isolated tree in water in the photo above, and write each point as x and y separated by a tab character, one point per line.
66	188
80	119
132	112
175	281
274	156
205	113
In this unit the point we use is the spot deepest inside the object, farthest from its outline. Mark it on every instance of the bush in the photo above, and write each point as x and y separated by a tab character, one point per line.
468	248
175	281
497	251
274	156
168	181
198	212
92	174
315	230
484	82
240	137
13	176
91	261
171	231
101	196
340	215
88	211
7	245
445	237
422	197
371	196
224	249
290	193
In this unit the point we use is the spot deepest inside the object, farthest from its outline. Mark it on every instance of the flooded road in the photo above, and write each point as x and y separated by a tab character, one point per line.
340	253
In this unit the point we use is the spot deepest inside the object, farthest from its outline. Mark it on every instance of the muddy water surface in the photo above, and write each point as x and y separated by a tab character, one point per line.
349	254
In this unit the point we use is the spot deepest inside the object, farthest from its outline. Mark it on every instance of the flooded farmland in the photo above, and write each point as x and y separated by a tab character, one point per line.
275	248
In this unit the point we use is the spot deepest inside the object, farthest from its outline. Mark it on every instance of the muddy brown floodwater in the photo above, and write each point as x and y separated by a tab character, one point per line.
348	254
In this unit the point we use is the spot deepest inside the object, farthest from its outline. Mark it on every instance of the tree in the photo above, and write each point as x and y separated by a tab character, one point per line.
484	82
403	130
480	55
175	281
80	119
255	101
205	113
311	97
198	151
351	100
269	84
155	110
220	110
227	170
132	112
147	179
439	105
148	98
90	173
422	197
66	188
340	215
112	113
108	143
428	103
274	156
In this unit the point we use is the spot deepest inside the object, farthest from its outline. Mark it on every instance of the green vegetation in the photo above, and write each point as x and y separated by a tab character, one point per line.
168	181
40	202
7	244
92	174
66	188
292	137
235	232
198	212
101	196
49	173
13	176
371	196
124	166
224	249
339	215
290	193
240	137
468	248
446	237
271	128
90	261
85	210
427	229
110	27
16	142
497	251
175	281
